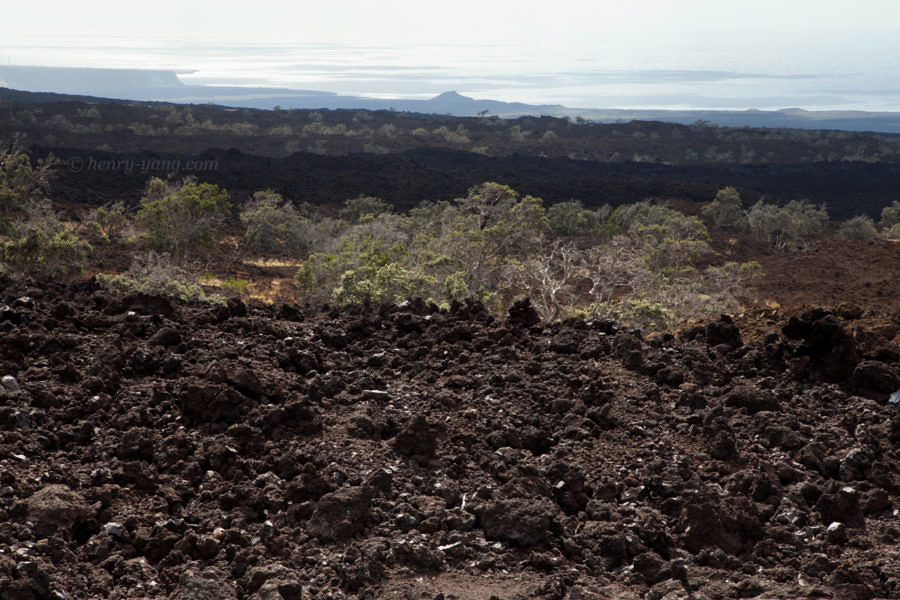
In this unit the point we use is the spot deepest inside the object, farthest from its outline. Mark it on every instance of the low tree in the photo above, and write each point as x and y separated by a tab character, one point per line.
860	228
726	211
182	218
890	215
274	225
21	181
106	223
567	218
363	207
548	279
40	246
33	241
785	227
489	228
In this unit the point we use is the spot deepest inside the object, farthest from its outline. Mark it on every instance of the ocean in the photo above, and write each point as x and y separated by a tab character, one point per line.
603	74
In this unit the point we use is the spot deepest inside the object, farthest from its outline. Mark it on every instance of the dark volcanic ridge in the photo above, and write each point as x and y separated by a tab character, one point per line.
151	449
405	179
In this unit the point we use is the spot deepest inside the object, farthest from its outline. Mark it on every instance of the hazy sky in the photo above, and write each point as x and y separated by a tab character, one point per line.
653	22
753	53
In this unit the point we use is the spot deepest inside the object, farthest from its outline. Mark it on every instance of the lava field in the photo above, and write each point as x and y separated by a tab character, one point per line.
157	449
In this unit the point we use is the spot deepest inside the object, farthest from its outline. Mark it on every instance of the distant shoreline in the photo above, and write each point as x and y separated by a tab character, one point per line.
95	84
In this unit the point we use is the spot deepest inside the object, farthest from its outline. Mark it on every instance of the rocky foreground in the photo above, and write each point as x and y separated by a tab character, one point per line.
150	449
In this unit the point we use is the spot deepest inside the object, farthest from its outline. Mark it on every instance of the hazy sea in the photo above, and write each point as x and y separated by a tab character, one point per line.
585	75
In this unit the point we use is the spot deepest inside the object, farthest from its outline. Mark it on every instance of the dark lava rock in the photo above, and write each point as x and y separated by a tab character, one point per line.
56	509
302	361
847	311
167	336
209	584
837	534
275	582
723	445
830	348
246	382
213	403
841	505
522	314
723	332
725	527
418	554
752	399
875	378
341	514
523	521
417	438
267	464
145	304
650	565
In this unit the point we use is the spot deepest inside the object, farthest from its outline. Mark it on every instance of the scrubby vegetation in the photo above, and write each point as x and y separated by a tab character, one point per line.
181	218
274	225
34	241
124	127
645	263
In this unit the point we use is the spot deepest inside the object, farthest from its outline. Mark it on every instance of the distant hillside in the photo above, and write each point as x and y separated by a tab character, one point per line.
161	85
88	82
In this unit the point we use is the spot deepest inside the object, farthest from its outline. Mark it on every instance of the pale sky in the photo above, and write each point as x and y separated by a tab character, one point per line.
821	54
654	22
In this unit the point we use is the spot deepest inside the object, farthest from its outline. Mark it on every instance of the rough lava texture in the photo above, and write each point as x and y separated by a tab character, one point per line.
151	449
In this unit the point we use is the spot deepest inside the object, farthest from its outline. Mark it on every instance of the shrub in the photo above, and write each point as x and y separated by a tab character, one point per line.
388	130
890	215
567	218
860	228
316	276
42	247
20	181
726	210
667	237
364	207
47	250
107	223
236	285
182	218
157	274
274	225
785	227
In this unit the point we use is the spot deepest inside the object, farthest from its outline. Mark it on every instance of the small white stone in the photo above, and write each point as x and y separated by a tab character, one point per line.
116	530
10	384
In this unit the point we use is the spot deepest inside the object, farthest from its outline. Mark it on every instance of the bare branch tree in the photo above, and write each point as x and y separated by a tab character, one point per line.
549	279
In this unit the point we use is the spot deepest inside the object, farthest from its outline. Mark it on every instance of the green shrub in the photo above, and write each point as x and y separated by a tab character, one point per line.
726	211
44	250
107	223
236	286
860	228
567	218
155	273
181	219
785	227
890	215
20	181
274	225
364	207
